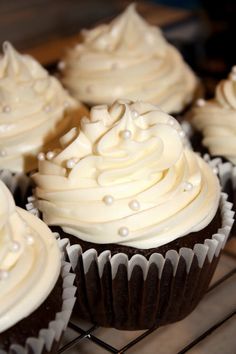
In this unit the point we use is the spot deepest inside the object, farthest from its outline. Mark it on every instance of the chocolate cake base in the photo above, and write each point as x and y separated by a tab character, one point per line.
39	319
127	299
186	241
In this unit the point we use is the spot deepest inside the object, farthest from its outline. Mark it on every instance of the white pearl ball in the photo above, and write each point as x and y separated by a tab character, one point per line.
6	109
134	205
3	153
29	239
15	246
48	108
66	104
181	133
171	121
200	102
4	274
108	199
188	186
123	231
50	155
61	65
41	156
215	170
70	163
135	114
126	134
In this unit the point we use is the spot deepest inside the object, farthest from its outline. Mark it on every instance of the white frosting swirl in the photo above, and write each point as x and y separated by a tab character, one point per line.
127	178
128	58
34	110
216	119
30	262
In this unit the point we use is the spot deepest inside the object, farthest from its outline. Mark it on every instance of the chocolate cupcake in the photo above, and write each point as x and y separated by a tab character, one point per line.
128	58
143	214
34	111
36	288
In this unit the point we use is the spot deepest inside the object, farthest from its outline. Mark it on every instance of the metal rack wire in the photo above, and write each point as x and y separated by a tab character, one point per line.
89	334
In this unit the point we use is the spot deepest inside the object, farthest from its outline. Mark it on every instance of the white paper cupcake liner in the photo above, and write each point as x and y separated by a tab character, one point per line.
49	338
142	293
227	176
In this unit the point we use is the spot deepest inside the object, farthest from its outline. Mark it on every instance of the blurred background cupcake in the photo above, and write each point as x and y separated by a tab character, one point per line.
37	293
215	124
34	111
135	203
128	58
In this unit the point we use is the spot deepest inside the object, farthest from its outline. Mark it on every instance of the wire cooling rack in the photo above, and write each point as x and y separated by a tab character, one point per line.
211	328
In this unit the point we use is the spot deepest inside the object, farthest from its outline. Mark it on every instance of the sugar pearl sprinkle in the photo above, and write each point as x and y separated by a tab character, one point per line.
48	108
3	153
70	163
41	156
134	205
126	134
108	200
200	102
29	239
15	246
188	186
182	134
61	65
171	121
50	155
215	170
3	274
66	104
6	109
123	231
135	114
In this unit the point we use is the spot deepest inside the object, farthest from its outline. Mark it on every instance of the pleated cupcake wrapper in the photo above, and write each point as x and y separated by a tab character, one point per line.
19	184
49	338
227	172
227	176
140	293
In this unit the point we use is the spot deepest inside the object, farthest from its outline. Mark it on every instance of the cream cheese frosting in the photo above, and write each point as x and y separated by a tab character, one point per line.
128	58
30	261
216	119
34	110
127	177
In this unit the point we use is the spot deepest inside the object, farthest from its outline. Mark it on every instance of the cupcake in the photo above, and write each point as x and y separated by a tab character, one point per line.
34	111
214	122
36	288
143	214
128	58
